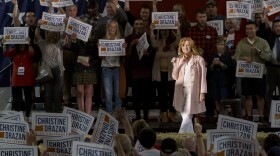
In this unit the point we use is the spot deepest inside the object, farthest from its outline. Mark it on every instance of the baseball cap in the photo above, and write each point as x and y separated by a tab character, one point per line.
212	2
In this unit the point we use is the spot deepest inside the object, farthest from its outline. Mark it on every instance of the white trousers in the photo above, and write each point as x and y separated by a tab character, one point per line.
186	125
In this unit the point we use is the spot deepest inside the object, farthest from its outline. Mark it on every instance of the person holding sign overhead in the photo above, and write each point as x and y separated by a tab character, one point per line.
189	71
162	69
52	55
253	49
23	79
184	22
111	69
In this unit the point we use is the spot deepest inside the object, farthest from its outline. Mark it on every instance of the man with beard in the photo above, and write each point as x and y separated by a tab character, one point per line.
205	38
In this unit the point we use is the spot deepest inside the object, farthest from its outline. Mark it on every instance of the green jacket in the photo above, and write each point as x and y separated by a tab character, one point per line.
243	49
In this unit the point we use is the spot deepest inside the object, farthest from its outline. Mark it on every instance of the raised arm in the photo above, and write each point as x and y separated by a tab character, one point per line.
122	117
199	140
37	31
154	5
16	14
154	42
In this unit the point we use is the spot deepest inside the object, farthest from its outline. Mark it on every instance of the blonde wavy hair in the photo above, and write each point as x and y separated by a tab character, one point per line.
192	46
118	33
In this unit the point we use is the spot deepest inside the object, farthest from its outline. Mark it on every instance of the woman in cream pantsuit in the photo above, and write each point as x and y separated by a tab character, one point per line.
190	74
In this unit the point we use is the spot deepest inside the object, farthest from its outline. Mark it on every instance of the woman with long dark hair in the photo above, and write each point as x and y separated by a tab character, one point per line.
165	47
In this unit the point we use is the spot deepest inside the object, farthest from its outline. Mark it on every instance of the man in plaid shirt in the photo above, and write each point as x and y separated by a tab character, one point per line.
203	35
205	38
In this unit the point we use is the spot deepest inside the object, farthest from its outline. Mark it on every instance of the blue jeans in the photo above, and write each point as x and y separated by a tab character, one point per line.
111	84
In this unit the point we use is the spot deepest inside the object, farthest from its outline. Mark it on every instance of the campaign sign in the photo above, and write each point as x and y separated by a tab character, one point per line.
16	35
231	146
105	128
139	148
275	113
87	149
165	20
245	69
278	133
18	116
80	28
19	150
61	145
111	47
213	134
218	25
245	129
81	122
13	132
46	3
51	124
61	3
257	5
142	45
53	22
7	112
272	5
237	9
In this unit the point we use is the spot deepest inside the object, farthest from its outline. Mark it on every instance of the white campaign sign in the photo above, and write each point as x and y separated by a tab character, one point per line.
91	149
61	3
272	5
61	145
51	124
245	129
19	150
18	116
213	134
165	20
237	9
257	5
53	22
16	35
13	132
142	45
233	146
275	113
81	122
81	29
218	25
111	47
105	128
253	69
46	3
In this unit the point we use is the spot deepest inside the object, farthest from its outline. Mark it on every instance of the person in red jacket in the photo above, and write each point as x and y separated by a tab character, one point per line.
23	78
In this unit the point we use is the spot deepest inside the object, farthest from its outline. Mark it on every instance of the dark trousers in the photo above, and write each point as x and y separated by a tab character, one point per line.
165	90
53	92
18	104
141	93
